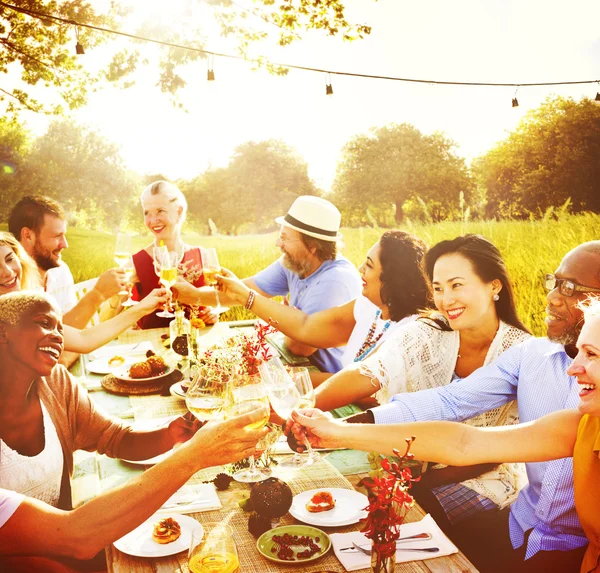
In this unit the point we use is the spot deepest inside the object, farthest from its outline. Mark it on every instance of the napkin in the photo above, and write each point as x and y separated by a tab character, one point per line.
110	350
193	498
355	560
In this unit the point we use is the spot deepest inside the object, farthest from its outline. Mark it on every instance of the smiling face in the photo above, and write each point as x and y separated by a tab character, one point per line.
461	296
586	367
370	273
162	217
49	242
296	256
564	319
10	270
36	341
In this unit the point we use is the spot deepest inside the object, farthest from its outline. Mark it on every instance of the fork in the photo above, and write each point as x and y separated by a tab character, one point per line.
416	537
426	549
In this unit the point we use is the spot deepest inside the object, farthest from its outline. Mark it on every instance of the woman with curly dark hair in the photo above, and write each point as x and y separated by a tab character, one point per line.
394	291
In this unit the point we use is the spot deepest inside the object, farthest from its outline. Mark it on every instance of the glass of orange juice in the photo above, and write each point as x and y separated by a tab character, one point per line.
213	549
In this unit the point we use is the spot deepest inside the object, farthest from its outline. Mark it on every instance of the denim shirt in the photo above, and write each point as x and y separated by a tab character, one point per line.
534	373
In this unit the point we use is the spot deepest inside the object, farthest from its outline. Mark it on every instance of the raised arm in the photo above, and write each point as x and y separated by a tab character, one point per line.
38	529
547	438
89	339
107	285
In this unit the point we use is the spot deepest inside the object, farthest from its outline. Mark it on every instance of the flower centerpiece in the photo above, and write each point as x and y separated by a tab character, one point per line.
389	500
252	348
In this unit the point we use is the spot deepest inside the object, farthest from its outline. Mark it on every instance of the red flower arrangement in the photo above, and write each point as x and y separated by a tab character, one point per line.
254	348
389	500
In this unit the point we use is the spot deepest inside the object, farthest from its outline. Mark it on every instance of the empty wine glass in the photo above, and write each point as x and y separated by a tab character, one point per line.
165	266
123	259
247	393
210	269
287	393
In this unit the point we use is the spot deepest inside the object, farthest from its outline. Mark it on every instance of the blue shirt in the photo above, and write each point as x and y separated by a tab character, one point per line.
334	283
533	372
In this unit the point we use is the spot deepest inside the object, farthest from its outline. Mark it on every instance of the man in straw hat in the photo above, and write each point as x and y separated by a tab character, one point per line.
310	272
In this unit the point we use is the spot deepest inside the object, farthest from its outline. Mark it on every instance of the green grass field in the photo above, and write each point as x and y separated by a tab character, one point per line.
530	248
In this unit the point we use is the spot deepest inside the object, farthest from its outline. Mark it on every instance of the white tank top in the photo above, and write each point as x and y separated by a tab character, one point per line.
35	476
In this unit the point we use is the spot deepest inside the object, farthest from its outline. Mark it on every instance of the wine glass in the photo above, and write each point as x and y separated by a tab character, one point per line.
301	378
123	259
247	393
210	269
207	393
285	395
165	266
213	549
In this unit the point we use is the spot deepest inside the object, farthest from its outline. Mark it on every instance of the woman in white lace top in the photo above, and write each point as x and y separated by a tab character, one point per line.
477	321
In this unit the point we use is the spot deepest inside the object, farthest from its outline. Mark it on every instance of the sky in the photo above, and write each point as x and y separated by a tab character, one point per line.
512	41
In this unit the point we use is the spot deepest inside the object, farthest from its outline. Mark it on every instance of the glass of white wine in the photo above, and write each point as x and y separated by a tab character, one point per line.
125	262
213	549
247	393
210	269
207	393
165	266
287	391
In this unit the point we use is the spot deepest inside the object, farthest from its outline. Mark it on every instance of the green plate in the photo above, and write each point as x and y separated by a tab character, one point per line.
265	542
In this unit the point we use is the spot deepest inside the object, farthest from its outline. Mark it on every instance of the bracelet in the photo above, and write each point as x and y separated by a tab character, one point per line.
250	300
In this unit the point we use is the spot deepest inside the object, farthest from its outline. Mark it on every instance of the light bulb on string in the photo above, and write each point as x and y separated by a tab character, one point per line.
515	101
210	75
597	98
328	86
78	47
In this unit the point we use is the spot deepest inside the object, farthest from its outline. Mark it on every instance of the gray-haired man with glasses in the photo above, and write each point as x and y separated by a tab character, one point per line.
540	531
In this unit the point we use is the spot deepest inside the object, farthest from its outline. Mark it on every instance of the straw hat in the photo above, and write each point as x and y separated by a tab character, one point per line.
314	217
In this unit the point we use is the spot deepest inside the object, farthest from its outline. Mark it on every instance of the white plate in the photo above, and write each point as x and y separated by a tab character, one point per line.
123	374
177	391
139	542
349	508
101	365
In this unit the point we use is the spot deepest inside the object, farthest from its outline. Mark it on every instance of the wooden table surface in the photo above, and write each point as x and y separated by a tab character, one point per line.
94	473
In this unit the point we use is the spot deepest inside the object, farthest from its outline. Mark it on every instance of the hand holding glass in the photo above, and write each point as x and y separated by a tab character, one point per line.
165	266
248	393
289	391
210	269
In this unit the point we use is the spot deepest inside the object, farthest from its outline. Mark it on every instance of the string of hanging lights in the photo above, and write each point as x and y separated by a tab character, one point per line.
79	50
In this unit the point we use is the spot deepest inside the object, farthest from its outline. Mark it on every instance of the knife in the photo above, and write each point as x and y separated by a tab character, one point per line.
417	537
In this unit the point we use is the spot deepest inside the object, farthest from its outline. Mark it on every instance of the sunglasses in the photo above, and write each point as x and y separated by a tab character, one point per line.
565	286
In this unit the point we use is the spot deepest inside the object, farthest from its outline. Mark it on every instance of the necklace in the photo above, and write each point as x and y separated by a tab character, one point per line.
371	340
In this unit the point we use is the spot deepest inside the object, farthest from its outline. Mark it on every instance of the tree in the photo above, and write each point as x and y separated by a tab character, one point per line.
260	183
397	163
14	143
84	172
38	39
550	158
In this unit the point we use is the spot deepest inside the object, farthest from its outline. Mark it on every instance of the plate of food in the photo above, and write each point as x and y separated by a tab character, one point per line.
293	544
151	369
159	536
108	364
329	507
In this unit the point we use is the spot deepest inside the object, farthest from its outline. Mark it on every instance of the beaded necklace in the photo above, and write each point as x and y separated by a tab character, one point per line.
371	340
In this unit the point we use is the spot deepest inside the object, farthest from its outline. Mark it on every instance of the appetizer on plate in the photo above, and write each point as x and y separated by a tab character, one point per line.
321	501
166	531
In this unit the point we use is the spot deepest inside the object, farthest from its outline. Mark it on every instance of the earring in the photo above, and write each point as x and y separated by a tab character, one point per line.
496	297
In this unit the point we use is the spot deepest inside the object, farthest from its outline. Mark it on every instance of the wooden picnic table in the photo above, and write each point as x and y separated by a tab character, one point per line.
95	473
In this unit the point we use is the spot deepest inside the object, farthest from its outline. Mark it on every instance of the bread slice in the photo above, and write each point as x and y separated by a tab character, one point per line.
321	501
166	531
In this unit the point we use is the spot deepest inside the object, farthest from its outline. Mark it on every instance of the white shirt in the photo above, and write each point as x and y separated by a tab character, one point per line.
60	284
9	503
364	315
35	476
